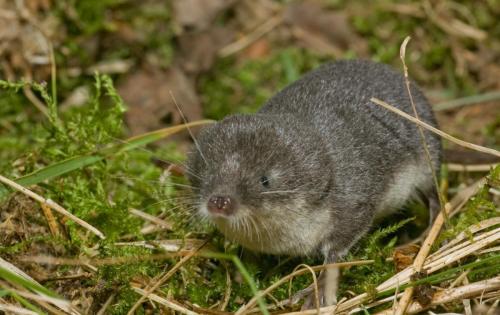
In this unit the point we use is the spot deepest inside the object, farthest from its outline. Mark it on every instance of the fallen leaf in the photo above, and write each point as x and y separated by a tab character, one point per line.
198	51
148	93
403	256
323	30
257	50
196	15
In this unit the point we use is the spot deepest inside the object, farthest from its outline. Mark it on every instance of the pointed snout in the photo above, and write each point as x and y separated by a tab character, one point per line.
224	205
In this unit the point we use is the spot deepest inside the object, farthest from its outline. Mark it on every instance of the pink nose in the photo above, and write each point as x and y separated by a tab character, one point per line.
220	205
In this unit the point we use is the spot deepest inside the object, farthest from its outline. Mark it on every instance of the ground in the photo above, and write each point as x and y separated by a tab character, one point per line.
79	78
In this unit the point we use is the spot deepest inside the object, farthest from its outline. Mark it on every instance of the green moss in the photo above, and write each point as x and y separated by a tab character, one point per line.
103	193
377	246
480	207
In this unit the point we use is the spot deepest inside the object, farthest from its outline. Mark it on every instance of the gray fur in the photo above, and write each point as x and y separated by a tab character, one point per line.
337	159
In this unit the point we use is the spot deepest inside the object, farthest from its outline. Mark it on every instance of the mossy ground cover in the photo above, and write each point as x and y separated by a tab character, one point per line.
103	193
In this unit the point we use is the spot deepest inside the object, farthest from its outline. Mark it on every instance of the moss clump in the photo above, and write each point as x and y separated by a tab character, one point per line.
101	193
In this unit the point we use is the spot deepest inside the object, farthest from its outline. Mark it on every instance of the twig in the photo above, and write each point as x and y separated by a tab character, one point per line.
163	279
252	37
52	205
435	130
165	302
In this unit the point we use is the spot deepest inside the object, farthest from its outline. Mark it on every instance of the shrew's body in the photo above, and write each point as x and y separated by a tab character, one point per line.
308	173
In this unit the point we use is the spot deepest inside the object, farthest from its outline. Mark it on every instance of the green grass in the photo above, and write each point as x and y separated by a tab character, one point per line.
98	179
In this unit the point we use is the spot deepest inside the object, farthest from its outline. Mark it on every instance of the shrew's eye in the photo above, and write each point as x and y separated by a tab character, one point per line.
264	181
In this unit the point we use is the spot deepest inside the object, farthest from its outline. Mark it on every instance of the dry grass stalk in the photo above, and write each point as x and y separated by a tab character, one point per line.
151	218
164	278
171	305
106	304
443	214
148	229
435	130
489	250
435	263
451	246
61	304
25	293
38	298
419	261
464	195
314	285
51	204
227	293
87	262
12	309
378	302
245	308
404	276
453	167
475	289
452	26
166	245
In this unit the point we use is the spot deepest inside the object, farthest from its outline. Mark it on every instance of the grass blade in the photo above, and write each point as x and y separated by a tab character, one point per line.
78	162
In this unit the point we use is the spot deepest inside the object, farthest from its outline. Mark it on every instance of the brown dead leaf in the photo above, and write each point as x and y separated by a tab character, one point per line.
148	95
198	50
257	50
197	15
323	30
403	256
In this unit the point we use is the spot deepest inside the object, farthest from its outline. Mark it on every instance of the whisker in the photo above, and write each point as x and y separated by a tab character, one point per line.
178	162
189	129
160	183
